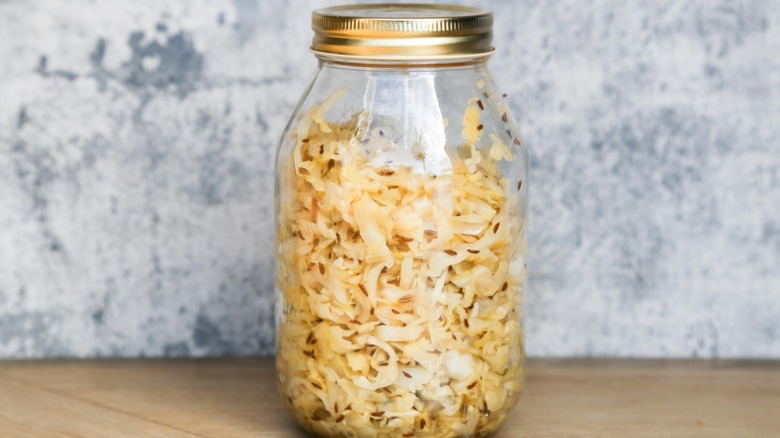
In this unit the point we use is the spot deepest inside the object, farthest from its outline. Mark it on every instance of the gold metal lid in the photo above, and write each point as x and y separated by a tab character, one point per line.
402	32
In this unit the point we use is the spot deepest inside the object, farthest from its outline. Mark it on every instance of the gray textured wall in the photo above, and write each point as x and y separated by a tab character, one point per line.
136	141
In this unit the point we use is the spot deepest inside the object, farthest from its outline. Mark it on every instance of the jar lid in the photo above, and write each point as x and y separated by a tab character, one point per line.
402	32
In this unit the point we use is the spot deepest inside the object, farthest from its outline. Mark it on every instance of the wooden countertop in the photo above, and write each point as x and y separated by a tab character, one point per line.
237	398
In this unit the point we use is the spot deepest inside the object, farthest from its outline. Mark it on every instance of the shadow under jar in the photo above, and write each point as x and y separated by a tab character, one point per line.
400	230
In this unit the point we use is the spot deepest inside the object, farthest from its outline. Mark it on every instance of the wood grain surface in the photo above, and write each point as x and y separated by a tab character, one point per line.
238	398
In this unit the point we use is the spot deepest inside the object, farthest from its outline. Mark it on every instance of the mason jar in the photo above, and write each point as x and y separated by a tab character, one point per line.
401	201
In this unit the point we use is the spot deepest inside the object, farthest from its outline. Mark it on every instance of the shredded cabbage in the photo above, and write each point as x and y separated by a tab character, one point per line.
400	292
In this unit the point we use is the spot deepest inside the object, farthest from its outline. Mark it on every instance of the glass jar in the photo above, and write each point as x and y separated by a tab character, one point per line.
400	230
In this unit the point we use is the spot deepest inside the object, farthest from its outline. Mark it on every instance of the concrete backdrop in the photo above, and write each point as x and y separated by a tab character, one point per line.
136	141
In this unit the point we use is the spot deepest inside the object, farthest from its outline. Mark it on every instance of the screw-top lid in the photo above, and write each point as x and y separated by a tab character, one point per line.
402	32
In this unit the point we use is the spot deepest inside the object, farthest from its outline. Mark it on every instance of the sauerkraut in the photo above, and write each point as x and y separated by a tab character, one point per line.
400	290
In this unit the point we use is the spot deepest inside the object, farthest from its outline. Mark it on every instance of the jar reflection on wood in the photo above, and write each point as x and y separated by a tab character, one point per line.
401	214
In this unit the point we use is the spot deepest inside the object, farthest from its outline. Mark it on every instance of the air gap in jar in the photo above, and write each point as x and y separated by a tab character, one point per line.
400	230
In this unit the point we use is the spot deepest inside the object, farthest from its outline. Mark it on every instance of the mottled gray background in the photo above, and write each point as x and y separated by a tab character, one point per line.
136	141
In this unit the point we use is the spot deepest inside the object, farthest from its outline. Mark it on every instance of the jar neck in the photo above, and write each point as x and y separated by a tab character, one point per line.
402	65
